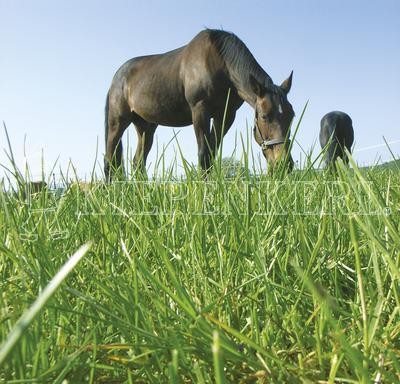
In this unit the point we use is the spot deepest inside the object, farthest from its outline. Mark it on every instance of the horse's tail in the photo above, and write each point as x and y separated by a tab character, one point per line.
106	161
106	108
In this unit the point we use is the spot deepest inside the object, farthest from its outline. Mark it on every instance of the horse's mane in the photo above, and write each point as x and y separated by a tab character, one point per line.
238	59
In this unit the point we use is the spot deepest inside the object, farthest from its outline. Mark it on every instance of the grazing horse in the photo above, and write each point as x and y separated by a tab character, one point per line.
31	188
36	186
209	78
335	135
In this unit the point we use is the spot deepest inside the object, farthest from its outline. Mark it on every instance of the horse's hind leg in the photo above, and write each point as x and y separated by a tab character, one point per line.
116	123
113	160
145	132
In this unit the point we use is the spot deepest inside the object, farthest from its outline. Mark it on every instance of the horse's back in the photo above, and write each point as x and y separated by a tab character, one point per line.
140	71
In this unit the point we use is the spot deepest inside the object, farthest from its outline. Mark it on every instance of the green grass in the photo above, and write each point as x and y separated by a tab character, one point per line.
394	164
241	280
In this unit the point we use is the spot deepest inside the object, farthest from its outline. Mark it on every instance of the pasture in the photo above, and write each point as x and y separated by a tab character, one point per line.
246	279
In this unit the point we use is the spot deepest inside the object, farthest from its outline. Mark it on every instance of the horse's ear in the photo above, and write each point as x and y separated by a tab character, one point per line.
287	84
256	87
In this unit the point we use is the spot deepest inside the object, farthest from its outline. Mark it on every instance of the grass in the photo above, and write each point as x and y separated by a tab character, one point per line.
242	280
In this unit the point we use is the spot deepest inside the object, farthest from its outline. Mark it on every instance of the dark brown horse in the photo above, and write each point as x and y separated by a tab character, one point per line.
209	78
335	136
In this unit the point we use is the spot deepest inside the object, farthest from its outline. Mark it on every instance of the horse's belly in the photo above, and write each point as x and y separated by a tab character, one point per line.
162	106
166	115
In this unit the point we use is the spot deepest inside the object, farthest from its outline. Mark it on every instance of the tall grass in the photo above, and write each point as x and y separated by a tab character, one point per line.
290	278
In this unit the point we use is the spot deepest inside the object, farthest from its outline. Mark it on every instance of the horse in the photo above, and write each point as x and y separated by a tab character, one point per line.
36	186
209	78
335	135
31	188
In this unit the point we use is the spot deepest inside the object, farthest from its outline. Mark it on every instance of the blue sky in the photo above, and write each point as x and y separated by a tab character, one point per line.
57	60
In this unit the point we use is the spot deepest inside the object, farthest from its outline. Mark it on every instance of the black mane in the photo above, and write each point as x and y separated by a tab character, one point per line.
239	60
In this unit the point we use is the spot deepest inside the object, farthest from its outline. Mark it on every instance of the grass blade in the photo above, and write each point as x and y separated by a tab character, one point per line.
27	318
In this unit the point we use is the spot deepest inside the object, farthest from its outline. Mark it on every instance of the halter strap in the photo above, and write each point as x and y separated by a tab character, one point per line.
269	143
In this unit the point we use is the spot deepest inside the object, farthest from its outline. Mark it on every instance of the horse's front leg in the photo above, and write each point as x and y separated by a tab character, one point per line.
205	143
221	125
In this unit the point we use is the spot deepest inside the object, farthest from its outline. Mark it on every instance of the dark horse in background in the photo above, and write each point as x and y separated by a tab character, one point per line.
190	85
335	135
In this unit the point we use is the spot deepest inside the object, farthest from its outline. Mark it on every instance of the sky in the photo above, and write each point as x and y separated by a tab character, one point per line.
57	60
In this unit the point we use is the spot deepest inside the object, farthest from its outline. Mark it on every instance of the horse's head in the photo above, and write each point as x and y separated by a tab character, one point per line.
274	114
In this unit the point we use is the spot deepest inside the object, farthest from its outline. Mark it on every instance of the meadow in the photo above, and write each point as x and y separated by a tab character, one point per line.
239	278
